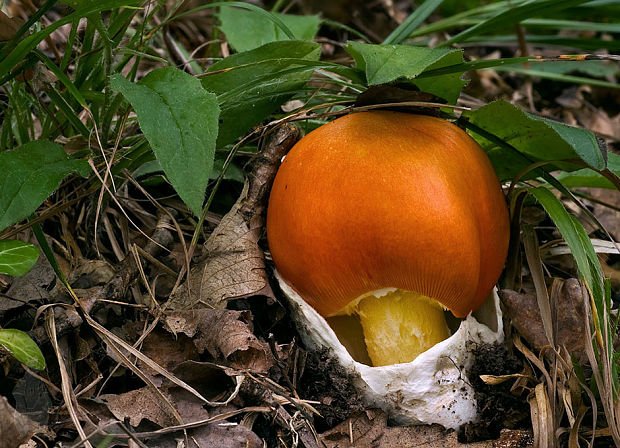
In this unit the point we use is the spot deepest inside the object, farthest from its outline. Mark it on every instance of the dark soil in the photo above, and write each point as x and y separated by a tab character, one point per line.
498	408
326	381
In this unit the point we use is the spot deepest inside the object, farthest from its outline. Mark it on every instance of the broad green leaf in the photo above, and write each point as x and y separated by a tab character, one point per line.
446	86
17	257
252	85
386	63
246	29
536	138
30	174
22	347
180	120
233	172
577	239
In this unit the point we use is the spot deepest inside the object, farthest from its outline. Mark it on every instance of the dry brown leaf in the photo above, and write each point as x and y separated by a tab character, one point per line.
15	428
234	266
166	351
608	217
91	273
369	429
35	285
225	334
9	26
140	404
211	380
523	310
214	435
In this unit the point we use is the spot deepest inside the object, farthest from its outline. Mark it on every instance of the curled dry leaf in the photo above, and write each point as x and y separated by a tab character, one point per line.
523	310
225	334
234	266
15	428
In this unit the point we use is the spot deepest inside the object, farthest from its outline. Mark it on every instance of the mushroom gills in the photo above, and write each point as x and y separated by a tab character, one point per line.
396	327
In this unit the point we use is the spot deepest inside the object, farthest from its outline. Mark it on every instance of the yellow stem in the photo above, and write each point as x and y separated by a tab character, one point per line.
400	325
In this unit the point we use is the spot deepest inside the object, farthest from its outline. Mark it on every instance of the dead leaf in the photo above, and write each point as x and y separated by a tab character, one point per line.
607	216
234	266
369	429
224	334
166	351
91	273
32	399
35	285
140	404
15	428
210	380
523	310
363	429
215	435
9	26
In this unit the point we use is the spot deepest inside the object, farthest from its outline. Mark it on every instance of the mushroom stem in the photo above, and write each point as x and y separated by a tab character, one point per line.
400	325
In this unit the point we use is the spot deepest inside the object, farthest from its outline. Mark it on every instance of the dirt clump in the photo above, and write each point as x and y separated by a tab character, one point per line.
498	407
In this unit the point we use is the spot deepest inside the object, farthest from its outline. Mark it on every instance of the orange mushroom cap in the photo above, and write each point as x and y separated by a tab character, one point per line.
383	199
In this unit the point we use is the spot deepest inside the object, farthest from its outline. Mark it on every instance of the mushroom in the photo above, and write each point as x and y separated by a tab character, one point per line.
382	220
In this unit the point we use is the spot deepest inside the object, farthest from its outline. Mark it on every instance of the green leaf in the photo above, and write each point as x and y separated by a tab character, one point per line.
412	22
247	29
599	69
22	347
17	257
532	8
252	85
386	63
536	138
233	172
180	120
29	43
578	241
571	79
588	178
30	174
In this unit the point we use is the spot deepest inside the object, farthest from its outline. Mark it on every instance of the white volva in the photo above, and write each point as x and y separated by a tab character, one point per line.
433	388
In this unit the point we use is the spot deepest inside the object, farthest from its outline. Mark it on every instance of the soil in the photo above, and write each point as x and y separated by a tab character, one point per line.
497	406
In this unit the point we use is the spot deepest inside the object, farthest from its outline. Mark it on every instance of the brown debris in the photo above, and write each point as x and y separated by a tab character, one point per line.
524	313
225	334
15	428
9	26
33	286
139	404
370	429
234	266
167	351
214	435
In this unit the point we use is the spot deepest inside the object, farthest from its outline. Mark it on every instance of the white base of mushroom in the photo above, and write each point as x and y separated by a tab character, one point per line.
433	388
